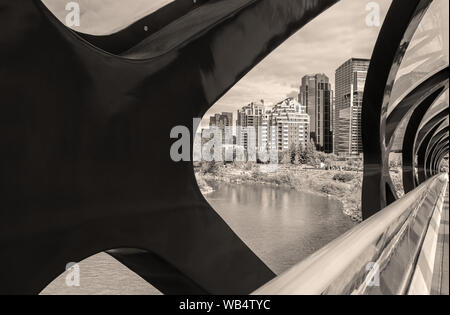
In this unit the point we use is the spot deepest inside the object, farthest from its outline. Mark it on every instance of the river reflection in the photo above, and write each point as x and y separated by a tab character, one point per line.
282	226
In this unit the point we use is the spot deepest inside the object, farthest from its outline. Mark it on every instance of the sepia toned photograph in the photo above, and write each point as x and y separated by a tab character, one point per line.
232	155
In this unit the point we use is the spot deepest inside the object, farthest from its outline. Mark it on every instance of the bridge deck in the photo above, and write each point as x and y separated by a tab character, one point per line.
440	285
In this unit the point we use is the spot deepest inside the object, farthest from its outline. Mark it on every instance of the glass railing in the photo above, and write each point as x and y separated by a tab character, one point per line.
377	256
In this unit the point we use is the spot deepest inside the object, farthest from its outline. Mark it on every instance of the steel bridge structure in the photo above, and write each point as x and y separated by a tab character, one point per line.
85	166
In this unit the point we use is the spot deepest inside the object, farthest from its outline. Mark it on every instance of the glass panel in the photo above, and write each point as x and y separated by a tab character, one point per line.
443	126
427	53
441	103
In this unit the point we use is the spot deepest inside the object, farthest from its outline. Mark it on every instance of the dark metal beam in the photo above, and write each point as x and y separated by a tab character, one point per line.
441	157
436	158
442	154
431	147
430	157
435	82
438	118
409	137
438	147
421	154
85	132
426	129
436	161
399	26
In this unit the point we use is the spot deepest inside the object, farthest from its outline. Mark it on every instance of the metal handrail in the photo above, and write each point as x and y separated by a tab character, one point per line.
345	266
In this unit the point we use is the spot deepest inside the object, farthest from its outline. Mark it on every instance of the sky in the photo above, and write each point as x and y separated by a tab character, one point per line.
321	46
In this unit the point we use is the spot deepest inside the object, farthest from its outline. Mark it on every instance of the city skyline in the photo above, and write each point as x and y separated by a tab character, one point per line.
276	127
333	123
321	46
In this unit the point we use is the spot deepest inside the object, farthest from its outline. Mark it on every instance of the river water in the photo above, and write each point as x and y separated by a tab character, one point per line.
282	226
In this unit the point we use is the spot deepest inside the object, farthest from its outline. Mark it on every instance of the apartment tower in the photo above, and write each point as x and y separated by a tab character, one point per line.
250	117
316	95
349	90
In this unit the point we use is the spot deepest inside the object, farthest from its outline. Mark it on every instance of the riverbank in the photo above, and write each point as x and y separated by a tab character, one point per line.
344	186
202	184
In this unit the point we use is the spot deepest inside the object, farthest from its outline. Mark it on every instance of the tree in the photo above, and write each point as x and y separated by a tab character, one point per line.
284	157
308	154
292	152
210	167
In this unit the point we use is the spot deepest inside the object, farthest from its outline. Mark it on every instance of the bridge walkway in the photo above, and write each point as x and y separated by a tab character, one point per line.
440	284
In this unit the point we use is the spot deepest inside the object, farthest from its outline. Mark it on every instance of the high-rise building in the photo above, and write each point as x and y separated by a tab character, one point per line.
224	122
221	120
286	124
316	95
250	117
278	128
349	90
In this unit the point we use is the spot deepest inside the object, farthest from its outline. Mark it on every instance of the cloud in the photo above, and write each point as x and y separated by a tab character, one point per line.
319	47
